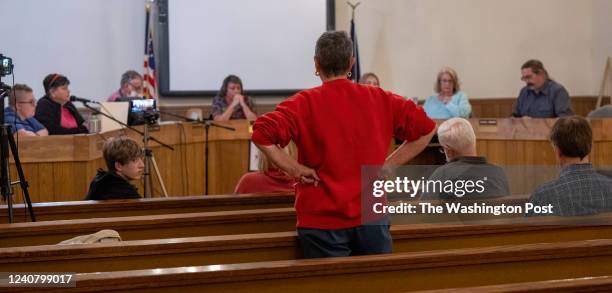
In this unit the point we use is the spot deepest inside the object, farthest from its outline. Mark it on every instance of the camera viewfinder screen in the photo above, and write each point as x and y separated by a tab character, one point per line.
142	105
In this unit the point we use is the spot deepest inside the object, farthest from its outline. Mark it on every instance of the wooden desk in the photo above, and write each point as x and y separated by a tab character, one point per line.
59	168
518	141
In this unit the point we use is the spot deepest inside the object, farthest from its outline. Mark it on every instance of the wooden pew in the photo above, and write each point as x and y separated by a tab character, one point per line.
174	225
69	210
587	284
143	254
377	273
151	227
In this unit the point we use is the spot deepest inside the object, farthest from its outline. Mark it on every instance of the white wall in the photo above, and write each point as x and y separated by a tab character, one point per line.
602	37
404	41
407	41
91	42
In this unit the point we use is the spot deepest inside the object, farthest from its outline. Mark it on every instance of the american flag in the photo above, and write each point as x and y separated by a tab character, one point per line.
150	84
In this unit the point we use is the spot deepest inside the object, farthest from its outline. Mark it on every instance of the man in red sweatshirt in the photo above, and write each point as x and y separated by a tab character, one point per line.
339	127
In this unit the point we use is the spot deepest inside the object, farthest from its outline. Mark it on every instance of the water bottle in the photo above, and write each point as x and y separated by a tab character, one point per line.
95	124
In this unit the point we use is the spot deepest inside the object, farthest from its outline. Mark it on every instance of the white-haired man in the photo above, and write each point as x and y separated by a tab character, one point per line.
458	142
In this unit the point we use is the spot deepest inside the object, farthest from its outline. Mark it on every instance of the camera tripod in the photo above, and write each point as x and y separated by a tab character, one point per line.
7	140
149	162
150	120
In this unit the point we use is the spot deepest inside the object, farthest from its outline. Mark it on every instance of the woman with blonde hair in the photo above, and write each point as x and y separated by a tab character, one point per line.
269	178
370	78
449	101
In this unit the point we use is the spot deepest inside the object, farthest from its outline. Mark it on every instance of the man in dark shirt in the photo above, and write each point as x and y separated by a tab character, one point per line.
542	97
579	190
458	141
124	159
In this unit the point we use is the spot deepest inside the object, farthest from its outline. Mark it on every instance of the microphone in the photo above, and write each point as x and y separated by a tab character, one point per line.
84	101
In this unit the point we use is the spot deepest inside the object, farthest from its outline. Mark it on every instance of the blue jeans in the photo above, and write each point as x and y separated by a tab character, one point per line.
373	238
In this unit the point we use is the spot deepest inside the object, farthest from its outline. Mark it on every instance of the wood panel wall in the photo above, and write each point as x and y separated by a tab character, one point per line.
481	108
59	168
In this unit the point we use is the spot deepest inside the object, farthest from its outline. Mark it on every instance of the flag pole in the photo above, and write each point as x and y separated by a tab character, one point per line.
353	6
356	70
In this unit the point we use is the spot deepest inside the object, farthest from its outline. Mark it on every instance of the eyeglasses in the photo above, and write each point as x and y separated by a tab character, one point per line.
526	77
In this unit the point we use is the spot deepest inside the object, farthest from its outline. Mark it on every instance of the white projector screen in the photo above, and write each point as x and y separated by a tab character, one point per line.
269	44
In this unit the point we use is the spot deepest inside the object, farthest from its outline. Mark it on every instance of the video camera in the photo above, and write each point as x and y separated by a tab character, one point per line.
143	112
6	66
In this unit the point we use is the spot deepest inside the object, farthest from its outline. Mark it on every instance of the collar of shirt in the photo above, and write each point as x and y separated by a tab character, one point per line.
471	160
545	90
573	168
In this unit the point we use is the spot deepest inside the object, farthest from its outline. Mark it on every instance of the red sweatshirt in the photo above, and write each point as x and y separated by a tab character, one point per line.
272	180
339	127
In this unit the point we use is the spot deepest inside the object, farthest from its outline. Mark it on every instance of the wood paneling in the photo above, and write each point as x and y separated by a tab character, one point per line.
63	172
482	107
59	168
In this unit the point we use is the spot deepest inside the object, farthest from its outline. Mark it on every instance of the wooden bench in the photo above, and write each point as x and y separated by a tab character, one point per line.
152	227
377	273
69	210
142	254
170	225
587	284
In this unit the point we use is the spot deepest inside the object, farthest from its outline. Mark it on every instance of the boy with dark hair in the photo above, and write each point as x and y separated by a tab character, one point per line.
124	159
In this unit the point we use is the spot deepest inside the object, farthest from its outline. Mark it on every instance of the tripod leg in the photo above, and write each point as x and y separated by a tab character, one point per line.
159	178
5	179
147	174
22	181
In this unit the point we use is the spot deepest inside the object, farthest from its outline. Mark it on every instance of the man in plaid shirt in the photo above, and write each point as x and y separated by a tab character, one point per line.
579	190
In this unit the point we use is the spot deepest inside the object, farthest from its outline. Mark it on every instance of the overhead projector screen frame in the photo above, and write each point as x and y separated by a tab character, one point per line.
164	57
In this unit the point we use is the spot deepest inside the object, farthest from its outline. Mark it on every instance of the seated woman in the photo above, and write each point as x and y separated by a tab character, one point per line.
124	159
450	101
268	178
55	111
370	79
230	103
20	112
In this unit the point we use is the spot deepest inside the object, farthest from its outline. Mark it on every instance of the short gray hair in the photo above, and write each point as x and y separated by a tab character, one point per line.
456	134
334	51
129	75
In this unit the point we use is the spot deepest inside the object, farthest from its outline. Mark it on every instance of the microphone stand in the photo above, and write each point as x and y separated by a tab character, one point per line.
207	124
149	159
